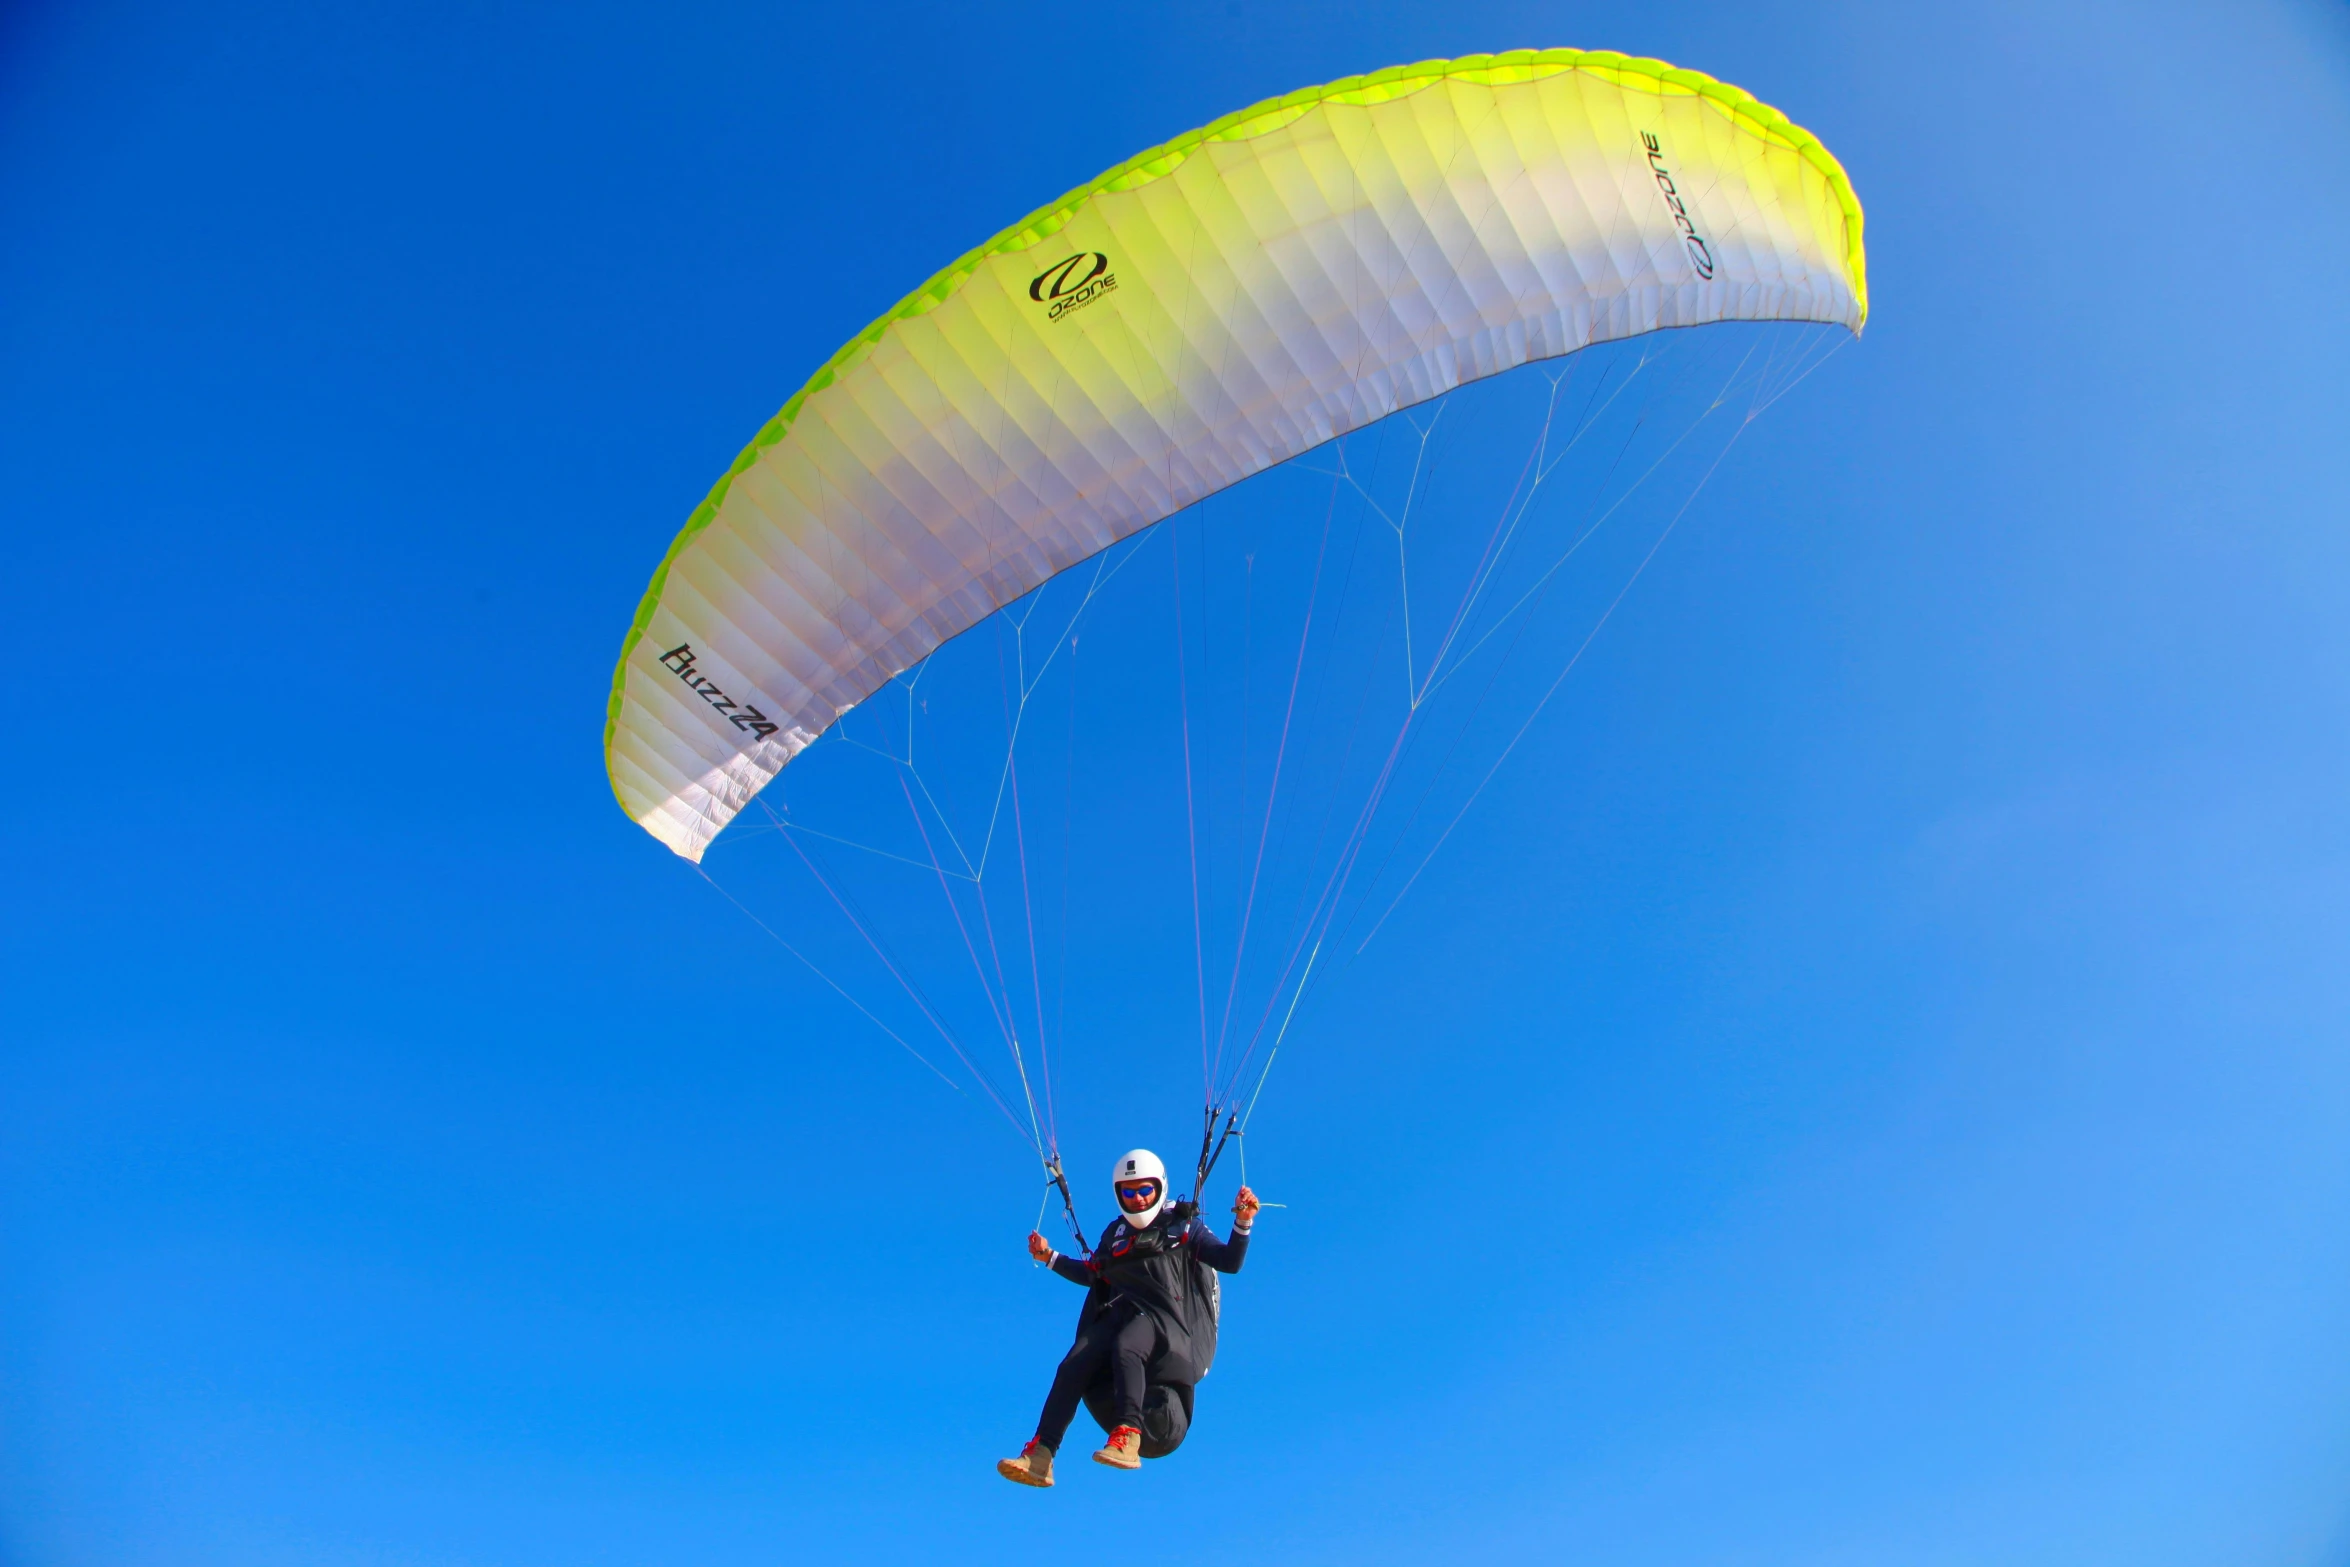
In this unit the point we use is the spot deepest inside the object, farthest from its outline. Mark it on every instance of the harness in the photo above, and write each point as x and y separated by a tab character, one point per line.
1155	1270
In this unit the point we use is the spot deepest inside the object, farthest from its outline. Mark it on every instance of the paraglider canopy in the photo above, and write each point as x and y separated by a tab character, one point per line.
1201	312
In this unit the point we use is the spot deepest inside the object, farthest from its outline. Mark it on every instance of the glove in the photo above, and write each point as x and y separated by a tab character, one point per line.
1244	1208
1038	1249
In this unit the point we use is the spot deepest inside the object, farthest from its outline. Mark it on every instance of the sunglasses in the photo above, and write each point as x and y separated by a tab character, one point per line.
1139	1191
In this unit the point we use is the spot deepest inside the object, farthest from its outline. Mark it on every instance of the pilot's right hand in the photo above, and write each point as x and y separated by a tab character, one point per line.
1038	1249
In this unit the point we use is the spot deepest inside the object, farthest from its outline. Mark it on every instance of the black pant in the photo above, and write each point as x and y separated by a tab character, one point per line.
1123	1338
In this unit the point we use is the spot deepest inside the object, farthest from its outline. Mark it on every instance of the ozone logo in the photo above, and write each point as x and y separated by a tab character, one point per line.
1700	256
1067	278
1073	284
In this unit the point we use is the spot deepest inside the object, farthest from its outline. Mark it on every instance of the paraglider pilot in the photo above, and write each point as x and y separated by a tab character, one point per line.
1148	1330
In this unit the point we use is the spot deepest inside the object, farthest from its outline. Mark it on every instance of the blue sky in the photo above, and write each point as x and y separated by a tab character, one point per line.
1866	1084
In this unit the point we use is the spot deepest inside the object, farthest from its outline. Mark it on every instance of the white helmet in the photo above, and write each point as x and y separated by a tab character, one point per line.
1140	1164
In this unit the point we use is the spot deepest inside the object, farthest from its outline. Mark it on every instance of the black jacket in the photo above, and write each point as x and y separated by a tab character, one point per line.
1163	1270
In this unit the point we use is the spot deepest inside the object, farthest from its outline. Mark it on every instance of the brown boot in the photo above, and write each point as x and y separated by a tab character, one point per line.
1034	1466
1123	1450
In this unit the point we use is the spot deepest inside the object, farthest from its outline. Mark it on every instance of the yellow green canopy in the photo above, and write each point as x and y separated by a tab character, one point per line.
1203	311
